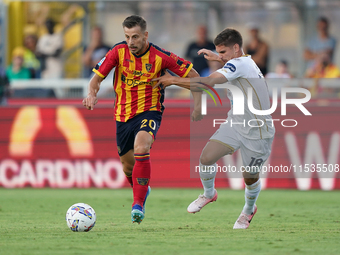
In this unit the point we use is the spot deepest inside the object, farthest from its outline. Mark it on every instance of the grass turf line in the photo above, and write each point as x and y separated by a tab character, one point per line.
287	222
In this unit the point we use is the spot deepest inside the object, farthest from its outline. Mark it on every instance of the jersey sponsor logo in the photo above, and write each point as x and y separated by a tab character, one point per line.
231	67
148	67
137	73
129	60
101	61
133	82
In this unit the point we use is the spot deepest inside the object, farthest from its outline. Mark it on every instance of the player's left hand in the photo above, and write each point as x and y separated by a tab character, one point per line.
165	80
196	115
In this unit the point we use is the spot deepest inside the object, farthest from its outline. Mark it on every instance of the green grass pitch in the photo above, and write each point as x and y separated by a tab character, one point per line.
32	221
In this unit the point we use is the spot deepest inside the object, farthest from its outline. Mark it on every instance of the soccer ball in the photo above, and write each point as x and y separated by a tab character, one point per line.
80	217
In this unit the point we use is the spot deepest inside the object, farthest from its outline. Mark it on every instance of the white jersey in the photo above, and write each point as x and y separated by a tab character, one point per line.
244	73
48	44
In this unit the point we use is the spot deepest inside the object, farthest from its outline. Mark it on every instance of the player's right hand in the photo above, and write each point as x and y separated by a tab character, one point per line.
90	101
196	115
163	81
209	55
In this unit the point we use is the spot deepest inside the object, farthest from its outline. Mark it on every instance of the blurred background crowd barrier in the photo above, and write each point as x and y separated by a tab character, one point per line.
282	36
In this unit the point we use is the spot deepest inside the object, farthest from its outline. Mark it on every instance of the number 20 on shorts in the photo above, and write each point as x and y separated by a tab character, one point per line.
152	124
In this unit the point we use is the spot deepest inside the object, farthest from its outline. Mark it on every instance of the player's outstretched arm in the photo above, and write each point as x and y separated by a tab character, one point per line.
94	85
194	84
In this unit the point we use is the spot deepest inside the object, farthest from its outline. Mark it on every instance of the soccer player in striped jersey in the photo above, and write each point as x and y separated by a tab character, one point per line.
138	106
254	141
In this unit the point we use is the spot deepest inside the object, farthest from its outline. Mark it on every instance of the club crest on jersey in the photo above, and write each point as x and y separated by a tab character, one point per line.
231	67
148	67
142	181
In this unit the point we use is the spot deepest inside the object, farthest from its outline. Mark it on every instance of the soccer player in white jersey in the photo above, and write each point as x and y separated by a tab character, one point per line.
254	141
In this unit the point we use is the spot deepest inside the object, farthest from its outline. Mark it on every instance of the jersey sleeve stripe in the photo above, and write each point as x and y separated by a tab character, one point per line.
188	70
98	73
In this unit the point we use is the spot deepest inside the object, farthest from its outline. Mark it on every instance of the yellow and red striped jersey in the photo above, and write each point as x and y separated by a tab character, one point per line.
133	74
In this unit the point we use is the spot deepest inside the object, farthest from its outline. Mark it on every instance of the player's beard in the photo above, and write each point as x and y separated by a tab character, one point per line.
141	49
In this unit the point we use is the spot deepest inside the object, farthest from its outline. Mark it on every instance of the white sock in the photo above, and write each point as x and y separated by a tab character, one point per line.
207	174
251	194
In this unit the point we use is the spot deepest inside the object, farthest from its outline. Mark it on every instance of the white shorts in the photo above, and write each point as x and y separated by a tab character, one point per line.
254	152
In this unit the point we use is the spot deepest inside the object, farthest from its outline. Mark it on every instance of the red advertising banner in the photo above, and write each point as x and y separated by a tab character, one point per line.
62	145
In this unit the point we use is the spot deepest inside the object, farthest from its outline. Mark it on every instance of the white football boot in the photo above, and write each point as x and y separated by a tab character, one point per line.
200	202
244	220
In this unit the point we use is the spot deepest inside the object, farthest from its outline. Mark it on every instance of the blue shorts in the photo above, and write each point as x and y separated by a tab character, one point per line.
126	132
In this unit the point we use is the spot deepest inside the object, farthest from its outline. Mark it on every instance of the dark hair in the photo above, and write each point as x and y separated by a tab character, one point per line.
324	19
229	37
283	62
135	20
49	22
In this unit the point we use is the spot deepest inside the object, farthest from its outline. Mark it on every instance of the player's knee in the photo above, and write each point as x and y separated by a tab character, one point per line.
251	180
206	160
142	148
